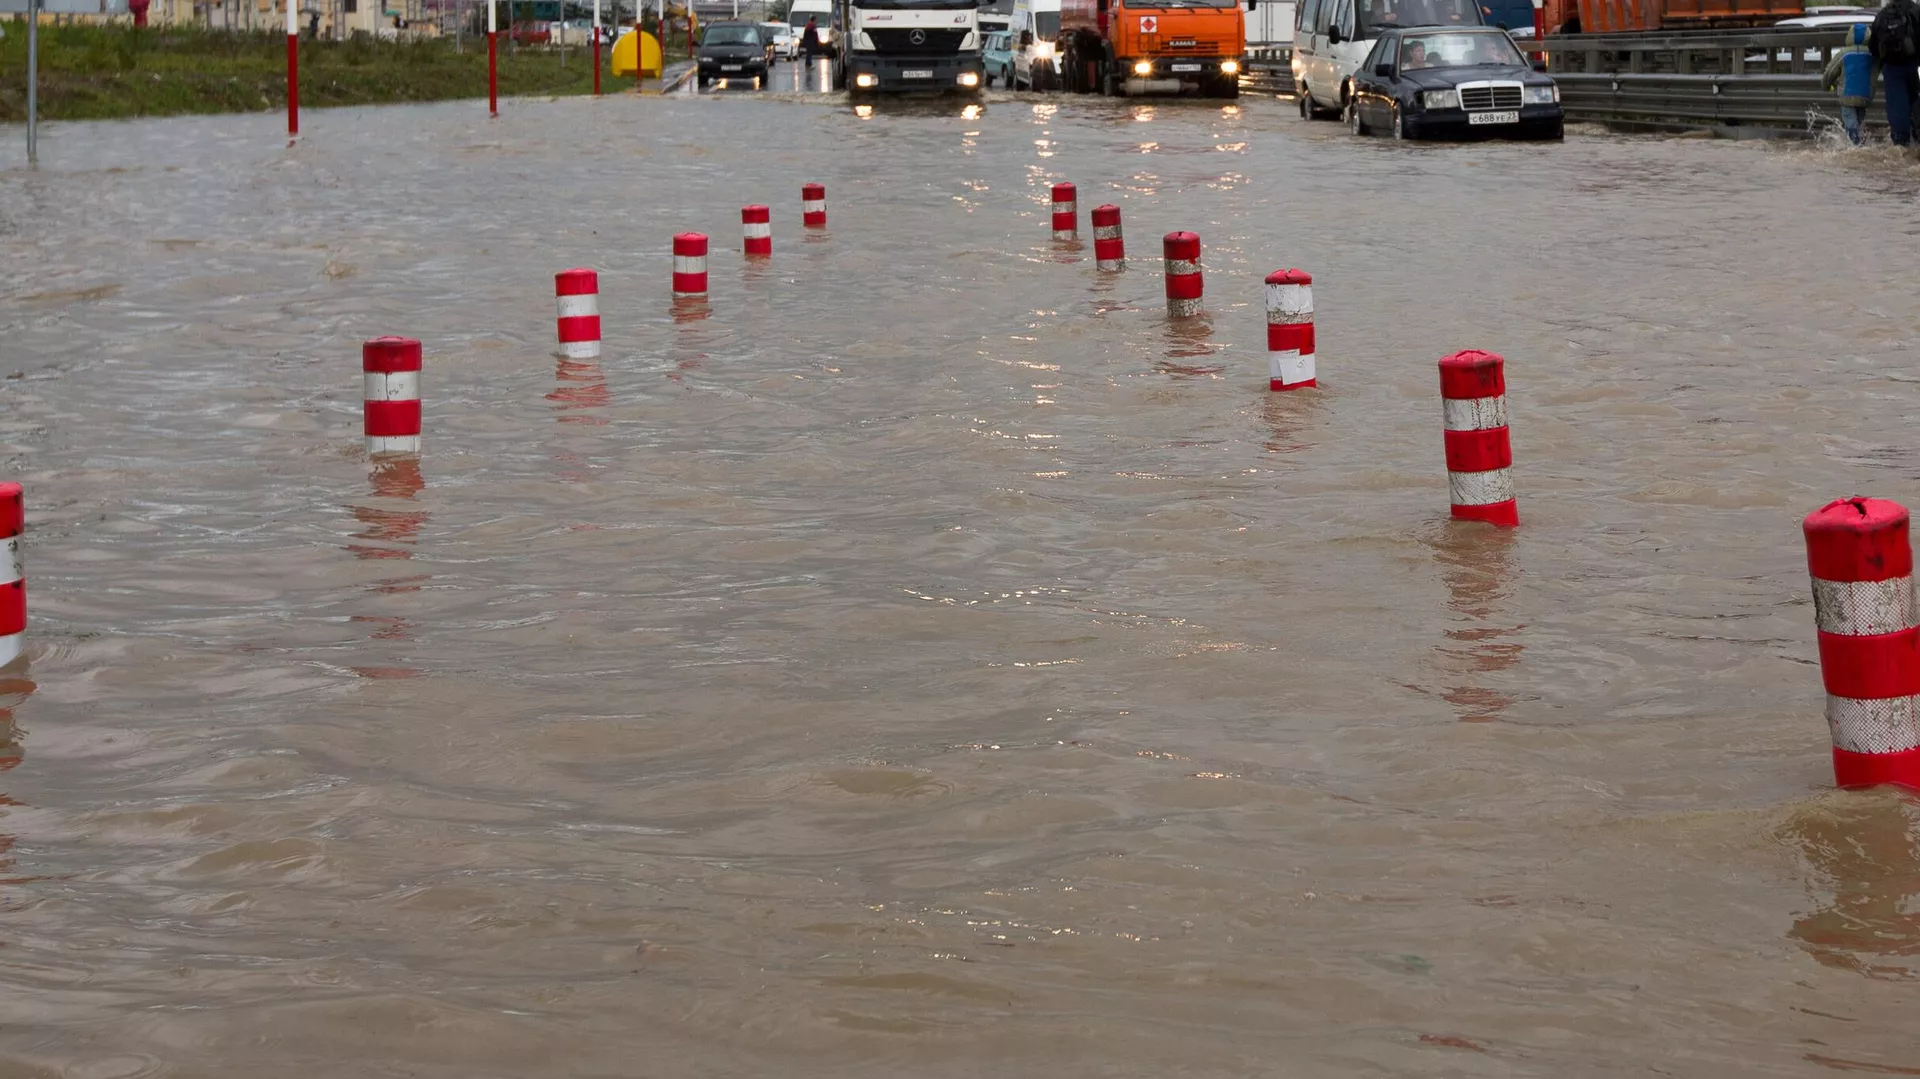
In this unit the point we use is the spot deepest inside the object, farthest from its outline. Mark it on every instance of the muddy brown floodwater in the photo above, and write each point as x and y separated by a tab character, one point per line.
931	663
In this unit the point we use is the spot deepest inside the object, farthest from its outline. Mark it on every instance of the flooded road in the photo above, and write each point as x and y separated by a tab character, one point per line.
931	662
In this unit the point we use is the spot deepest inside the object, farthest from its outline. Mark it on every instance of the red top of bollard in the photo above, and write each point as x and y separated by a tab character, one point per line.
813	191
13	514
578	281
1858	539
386	355
1290	277
690	243
755	215
1472	373
1182	245
1065	193
1108	214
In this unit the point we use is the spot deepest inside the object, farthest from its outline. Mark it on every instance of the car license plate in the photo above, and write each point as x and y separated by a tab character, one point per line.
1493	118
733	67
917	73
1185	67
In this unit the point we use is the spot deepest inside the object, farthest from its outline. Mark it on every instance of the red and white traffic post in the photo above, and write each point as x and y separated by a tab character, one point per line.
1861	560
690	264
1066	212
813	206
293	68
577	293
390	369
13	578
1109	247
1184	285
1473	399
757	223
596	48
1290	330
493	59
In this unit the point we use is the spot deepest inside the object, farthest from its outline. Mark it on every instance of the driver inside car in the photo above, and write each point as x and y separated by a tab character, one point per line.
1413	57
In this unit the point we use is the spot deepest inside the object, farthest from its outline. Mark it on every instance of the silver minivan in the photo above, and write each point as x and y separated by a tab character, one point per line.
1331	37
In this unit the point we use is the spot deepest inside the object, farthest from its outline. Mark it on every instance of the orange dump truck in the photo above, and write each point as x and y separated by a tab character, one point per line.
1146	47
1613	16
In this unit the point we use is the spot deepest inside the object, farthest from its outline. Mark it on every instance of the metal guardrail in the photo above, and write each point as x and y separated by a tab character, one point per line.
1769	104
1701	52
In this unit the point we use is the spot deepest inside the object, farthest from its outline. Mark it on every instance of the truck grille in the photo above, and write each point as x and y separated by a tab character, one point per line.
1499	95
1198	48
899	41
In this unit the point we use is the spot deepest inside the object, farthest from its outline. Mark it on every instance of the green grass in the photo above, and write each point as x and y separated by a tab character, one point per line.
112	72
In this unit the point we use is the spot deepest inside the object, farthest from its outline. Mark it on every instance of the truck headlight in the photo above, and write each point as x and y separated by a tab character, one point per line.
1543	95
968	78
1229	67
1440	99
865	81
1043	50
1143	68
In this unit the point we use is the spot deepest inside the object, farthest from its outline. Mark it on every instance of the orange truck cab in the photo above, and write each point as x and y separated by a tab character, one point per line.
1152	46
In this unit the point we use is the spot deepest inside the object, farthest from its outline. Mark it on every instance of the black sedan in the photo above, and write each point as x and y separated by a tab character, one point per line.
1421	82
735	50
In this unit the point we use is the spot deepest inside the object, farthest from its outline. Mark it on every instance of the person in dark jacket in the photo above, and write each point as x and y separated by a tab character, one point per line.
1852	69
810	39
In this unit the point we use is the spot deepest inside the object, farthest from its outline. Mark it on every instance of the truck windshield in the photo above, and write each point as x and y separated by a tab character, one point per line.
1188	3
1374	15
917	5
1046	25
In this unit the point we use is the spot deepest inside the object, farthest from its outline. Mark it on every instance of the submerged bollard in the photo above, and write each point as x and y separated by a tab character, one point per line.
1109	248
1290	330
1473	392
1861	561
1066	212
1182	253
690	264
813	206
757	222
13	586
577	294
390	369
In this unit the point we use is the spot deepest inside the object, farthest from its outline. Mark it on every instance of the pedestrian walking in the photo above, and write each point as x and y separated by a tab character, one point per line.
1852	70
810	39
1895	42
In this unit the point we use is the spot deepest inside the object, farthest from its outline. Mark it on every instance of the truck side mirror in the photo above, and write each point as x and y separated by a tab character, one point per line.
1253	5
1333	35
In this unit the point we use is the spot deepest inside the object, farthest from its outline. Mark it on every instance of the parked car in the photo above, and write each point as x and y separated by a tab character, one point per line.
1462	83
786	43
530	33
734	50
999	57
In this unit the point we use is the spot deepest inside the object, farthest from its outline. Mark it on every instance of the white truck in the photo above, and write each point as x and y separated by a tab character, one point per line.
909	46
1036	32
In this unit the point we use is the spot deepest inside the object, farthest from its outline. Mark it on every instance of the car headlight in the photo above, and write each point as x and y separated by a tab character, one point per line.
1440	99
1043	50
1229	67
1542	95
968	78
1143	68
865	81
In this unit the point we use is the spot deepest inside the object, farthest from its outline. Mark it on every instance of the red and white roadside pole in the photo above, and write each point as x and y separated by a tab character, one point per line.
13	579
293	68
1184	284
596	48
577	294
756	222
390	368
1861	560
1066	212
690	265
493	59
1109	247
1290	330
1473	397
813	206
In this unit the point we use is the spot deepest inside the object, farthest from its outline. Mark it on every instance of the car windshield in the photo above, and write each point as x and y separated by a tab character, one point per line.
1484	49
731	35
1375	15
1046	25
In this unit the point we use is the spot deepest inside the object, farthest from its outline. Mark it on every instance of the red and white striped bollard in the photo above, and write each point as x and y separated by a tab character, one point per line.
1861	560
13	589
577	295
813	206
1184	285
1473	393
1066	212
390	368
690	264
1290	330
757	222
1109	247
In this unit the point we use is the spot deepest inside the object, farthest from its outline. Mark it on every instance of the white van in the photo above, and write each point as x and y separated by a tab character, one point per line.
820	11
1333	36
1036	29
